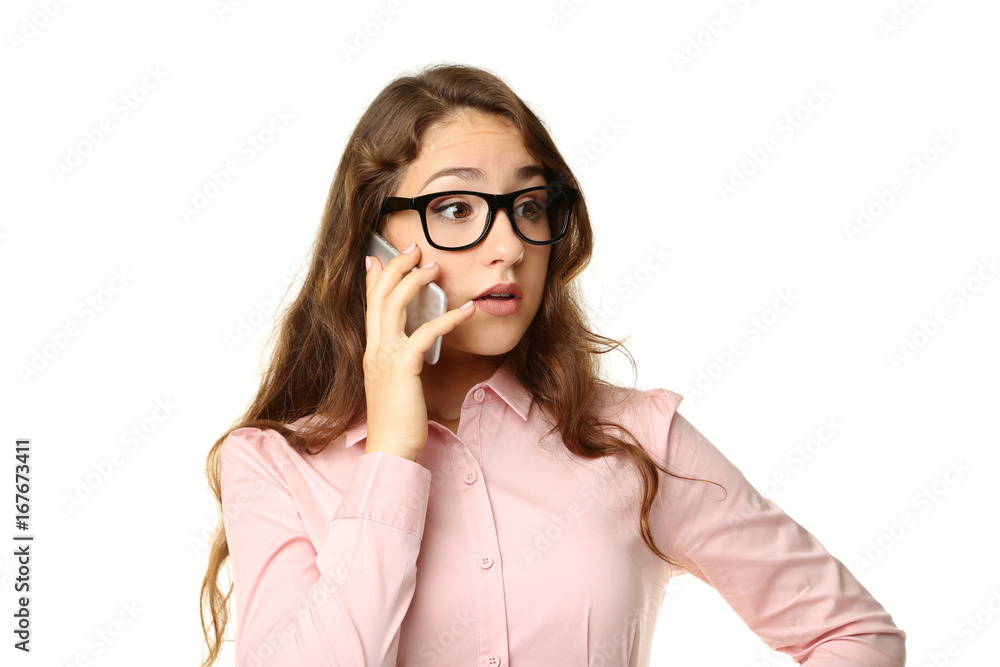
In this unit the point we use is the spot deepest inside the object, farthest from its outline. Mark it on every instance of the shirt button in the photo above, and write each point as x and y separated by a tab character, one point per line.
470	477
480	394
485	562
493	660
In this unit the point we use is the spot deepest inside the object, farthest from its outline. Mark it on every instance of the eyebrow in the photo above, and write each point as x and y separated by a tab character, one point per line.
474	173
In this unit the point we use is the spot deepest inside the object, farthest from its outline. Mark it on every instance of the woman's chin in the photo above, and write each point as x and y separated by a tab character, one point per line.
478	346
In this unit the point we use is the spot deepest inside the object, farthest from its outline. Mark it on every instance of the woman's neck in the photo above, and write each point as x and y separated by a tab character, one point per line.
447	382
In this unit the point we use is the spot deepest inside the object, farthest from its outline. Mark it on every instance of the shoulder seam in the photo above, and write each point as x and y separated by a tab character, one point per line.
270	466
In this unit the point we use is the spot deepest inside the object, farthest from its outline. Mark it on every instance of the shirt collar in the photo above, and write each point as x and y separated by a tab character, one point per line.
503	382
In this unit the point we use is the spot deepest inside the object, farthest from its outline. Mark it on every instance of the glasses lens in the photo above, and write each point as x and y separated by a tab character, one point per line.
541	213
457	220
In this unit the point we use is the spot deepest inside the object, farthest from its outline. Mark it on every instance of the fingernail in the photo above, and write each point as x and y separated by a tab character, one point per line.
468	304
368	263
428	265
410	249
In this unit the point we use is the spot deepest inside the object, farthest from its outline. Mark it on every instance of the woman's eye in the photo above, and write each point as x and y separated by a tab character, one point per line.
529	210
455	210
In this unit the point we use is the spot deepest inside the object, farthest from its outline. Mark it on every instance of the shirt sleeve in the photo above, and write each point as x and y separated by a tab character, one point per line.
342	604
781	581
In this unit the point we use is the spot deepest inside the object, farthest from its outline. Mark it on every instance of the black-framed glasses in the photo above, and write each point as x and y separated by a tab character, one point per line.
461	219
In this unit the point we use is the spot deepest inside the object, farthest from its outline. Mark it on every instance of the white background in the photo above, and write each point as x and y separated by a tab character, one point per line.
661	135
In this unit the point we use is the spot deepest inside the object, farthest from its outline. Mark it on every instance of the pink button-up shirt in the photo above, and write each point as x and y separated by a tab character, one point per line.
498	548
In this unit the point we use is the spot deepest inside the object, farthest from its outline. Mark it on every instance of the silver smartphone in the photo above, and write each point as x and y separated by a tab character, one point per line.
430	301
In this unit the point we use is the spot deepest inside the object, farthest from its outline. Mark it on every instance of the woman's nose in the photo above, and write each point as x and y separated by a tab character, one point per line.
502	238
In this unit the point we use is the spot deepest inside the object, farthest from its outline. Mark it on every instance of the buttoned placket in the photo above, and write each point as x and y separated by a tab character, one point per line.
484	554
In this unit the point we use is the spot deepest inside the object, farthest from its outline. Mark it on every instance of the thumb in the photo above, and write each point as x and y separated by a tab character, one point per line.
373	268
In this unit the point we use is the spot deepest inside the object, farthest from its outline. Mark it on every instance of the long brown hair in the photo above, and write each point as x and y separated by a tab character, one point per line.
316	366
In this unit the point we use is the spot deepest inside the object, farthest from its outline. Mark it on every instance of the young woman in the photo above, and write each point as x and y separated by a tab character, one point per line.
503	506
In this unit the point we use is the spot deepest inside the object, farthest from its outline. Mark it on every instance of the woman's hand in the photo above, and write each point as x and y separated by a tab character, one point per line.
397	412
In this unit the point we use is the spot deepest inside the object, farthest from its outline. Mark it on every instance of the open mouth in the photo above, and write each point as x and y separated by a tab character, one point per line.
495	297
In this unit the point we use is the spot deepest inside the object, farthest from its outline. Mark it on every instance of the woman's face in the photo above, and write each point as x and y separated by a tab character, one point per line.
475	141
